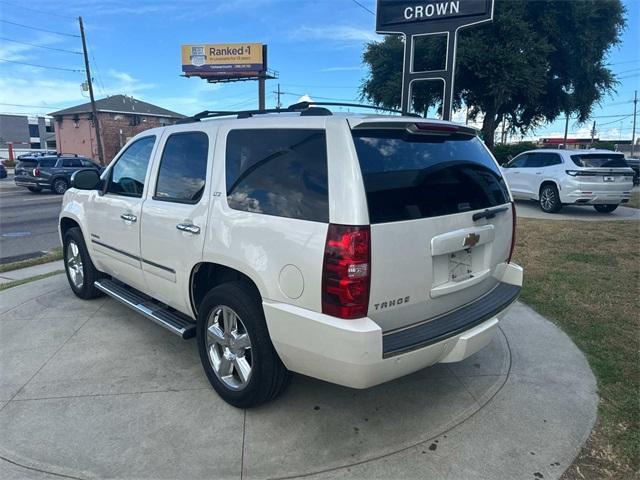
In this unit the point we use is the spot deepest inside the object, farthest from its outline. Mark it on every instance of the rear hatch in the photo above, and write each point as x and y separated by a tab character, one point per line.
434	248
25	167
602	171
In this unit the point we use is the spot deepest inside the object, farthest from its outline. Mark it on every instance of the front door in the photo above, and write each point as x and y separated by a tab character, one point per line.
514	174
114	217
174	216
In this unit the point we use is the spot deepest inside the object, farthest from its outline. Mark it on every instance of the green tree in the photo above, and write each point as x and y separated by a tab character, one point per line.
536	61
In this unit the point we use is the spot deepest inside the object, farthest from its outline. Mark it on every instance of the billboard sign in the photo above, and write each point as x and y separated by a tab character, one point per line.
223	60
415	18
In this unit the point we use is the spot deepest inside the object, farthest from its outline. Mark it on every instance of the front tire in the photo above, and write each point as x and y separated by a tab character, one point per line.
550	199
60	186
608	208
81	273
235	348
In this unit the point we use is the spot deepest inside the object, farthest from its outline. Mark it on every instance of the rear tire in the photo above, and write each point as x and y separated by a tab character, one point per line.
60	186
605	208
34	189
550	199
81	273
243	376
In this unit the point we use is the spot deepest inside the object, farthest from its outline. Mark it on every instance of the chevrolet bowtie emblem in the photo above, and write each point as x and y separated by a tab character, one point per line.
471	240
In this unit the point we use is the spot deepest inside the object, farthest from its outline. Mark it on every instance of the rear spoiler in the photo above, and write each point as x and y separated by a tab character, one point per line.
418	127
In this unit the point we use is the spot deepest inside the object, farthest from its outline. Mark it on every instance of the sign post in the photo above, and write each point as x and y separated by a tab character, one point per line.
415	18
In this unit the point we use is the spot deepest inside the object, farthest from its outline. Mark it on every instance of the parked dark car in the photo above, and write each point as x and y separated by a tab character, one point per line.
3	171
51	173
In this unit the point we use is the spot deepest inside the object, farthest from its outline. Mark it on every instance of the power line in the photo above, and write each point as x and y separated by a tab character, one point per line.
615	121
28	106
39	29
363	7
41	46
42	66
38	11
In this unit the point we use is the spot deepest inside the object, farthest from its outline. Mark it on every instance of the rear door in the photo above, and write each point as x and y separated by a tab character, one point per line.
174	216
429	254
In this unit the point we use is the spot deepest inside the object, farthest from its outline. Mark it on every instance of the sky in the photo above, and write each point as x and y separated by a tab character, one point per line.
315	45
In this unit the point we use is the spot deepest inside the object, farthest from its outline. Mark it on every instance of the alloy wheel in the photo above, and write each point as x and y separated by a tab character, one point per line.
547	199
74	264
229	347
60	186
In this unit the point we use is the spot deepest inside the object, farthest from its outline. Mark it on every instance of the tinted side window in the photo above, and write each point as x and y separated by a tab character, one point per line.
183	167
534	160
278	172
518	162
128	174
48	162
550	159
87	163
71	162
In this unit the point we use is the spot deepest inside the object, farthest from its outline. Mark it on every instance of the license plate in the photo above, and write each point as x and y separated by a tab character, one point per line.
460	264
609	179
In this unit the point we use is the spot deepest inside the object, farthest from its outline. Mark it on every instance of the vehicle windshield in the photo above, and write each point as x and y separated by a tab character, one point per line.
409	176
598	160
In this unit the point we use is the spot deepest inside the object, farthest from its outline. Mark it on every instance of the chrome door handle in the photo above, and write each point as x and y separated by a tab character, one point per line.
128	217
189	228
538	173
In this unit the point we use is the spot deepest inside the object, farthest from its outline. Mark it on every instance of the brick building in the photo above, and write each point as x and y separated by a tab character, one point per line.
120	118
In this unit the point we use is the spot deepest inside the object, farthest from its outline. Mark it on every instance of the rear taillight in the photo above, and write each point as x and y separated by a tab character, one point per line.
513	231
36	172
346	271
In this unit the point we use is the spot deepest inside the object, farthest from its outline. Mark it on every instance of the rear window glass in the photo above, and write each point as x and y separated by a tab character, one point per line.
597	160
27	164
409	176
279	172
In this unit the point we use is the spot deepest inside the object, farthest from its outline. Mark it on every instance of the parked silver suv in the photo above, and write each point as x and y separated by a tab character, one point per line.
350	248
554	178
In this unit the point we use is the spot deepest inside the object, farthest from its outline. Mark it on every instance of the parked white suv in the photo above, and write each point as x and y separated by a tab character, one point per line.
600	178
351	248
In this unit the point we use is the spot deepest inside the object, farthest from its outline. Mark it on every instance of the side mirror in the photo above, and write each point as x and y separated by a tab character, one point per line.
85	180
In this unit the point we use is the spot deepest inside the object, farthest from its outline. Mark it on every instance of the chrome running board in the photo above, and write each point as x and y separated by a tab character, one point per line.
172	320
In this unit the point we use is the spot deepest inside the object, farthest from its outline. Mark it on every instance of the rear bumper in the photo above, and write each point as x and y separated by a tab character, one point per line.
30	182
583	193
356	353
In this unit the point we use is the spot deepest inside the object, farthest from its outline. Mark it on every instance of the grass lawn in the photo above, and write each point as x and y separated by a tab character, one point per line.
585	276
635	199
52	256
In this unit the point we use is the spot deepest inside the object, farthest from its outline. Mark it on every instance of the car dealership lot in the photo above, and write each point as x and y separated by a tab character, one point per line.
90	389
28	221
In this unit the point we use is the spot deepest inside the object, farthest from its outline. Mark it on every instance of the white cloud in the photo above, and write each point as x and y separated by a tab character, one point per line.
340	33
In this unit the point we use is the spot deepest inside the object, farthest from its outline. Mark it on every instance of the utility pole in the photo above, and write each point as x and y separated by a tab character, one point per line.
593	133
633	135
96	123
502	138
279	94
566	131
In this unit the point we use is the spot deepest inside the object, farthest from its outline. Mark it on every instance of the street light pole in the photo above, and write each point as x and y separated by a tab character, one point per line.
96	123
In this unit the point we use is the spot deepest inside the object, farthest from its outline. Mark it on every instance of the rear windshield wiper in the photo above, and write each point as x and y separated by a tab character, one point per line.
489	213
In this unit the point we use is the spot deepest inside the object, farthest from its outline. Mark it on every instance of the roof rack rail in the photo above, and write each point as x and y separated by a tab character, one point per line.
304	108
307	104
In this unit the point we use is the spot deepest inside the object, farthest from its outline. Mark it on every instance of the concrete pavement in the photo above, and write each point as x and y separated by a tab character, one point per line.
28	221
92	390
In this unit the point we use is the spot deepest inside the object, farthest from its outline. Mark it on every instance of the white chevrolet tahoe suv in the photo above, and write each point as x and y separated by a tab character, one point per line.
351	248
600	178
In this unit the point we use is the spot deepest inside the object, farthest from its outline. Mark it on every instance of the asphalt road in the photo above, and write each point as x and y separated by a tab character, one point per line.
28	221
